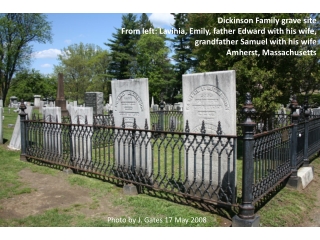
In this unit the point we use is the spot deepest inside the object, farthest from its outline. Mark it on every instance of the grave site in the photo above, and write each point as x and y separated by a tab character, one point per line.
195	153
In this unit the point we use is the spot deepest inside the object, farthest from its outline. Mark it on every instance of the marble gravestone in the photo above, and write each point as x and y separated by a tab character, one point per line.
211	98
15	142
37	100
130	100
52	132
82	140
94	100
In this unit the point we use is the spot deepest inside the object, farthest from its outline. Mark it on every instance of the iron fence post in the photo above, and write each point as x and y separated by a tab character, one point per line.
23	130
294	179
246	216
306	133
161	106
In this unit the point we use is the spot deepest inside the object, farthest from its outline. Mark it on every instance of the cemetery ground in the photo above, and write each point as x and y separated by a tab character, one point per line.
41	195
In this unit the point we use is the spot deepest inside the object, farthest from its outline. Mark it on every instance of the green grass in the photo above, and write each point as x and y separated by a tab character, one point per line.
290	207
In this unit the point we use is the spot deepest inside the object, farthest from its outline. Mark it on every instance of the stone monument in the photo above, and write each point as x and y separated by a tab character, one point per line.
82	136
210	98
36	101
130	100
60	100
52	132
94	100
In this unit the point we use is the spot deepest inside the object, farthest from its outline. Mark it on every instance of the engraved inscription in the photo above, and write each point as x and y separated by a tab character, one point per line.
206	100
128	100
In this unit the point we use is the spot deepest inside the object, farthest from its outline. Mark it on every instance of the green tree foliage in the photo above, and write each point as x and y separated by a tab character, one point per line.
122	47
84	69
28	83
182	50
144	22
270	79
17	32
153	63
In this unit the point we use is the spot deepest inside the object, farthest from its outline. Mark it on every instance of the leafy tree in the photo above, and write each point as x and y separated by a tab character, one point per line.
28	83
182	50
270	79
84	68
122	48
144	22
17	32
153	63
101	79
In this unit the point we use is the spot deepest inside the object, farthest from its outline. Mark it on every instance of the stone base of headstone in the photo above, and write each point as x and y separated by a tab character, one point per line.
68	170
239	222
130	189
305	176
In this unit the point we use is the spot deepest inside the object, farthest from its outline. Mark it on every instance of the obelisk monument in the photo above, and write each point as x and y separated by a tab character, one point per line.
60	100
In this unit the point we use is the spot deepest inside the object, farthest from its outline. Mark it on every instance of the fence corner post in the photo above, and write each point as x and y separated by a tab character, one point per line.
246	216
23	130
294	181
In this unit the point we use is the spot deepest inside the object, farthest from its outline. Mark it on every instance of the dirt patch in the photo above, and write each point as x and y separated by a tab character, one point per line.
49	192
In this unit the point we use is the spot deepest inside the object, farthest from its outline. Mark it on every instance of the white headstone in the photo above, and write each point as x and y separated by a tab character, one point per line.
82	136
110	99
131	103
52	132
211	97
37	100
41	106
152	102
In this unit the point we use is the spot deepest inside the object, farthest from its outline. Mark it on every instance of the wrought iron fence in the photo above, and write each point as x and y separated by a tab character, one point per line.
271	160
167	120
195	165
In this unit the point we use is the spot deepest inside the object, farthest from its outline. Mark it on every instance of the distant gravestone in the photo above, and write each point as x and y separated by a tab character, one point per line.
131	104
15	142
155	107
82	136
211	97
152	103
52	132
36	100
110	99
316	111
94	100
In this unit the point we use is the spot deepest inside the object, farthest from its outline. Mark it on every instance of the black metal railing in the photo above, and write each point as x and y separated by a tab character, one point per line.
167	120
196	165
271	160
169	158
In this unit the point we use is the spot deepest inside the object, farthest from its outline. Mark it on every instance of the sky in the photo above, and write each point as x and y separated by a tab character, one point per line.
73	28
94	21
